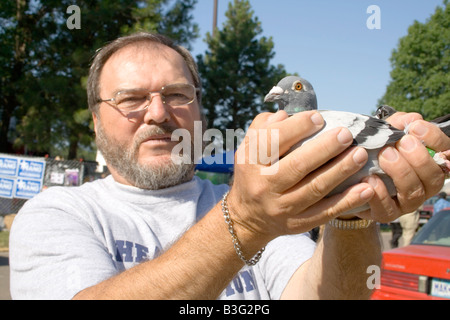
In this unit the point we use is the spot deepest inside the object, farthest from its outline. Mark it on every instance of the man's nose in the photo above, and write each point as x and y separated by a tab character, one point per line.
157	111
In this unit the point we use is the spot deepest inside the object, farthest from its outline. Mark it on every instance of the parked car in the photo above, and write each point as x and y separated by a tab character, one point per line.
427	209
422	269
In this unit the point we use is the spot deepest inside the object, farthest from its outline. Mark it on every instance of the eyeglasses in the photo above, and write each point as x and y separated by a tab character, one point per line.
173	95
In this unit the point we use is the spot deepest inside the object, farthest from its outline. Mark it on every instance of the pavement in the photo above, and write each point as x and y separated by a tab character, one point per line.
4	267
4	276
386	240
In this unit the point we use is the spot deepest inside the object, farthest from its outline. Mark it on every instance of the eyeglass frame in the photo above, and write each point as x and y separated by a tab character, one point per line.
150	97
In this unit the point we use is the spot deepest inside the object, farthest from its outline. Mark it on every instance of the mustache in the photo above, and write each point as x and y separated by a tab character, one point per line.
153	130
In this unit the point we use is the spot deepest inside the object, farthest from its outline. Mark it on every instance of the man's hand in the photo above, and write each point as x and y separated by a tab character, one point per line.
291	197
415	174
338	267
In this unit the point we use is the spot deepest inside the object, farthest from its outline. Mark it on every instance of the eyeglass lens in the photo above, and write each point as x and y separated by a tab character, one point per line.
172	95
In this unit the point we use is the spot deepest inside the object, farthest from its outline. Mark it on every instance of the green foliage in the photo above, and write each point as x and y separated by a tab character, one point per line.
174	21
45	64
236	70
420	75
4	239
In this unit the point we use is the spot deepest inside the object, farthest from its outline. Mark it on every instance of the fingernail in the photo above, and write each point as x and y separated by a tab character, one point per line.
345	137
418	129
408	143
317	119
372	181
360	156
367	194
390	154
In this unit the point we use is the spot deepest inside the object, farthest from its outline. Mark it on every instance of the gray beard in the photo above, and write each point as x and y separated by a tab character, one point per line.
145	176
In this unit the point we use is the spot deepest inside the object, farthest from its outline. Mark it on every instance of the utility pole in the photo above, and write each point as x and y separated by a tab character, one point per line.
215	15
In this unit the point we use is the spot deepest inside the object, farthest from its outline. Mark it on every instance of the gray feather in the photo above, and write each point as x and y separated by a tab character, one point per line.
384	111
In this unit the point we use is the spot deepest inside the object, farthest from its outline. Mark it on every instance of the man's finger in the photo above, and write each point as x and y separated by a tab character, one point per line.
430	135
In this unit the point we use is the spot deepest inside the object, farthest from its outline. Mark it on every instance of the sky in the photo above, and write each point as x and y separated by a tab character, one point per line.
329	43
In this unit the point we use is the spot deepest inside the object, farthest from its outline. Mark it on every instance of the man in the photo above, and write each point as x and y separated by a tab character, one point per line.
441	203
152	231
409	223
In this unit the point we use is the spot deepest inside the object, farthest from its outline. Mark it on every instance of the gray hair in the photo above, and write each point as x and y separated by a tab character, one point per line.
103	54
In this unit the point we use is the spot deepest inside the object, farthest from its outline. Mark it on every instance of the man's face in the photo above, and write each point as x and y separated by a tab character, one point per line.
137	147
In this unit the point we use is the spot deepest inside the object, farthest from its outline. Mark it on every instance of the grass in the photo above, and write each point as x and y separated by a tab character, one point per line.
384	227
4	240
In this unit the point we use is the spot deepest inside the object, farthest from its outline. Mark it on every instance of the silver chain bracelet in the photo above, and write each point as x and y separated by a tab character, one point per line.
234	238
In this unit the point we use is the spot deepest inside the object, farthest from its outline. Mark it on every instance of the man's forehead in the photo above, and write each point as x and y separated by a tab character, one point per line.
157	50
132	58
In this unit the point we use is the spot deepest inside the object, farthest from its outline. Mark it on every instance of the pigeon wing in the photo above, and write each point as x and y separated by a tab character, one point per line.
368	132
377	133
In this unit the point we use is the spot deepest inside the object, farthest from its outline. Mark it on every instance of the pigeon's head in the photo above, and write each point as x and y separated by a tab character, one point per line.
293	94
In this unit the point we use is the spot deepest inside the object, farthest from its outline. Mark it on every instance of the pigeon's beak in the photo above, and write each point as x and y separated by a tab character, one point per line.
274	94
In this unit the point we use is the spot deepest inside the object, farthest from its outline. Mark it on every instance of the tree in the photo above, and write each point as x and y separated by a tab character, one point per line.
46	63
420	75
236	70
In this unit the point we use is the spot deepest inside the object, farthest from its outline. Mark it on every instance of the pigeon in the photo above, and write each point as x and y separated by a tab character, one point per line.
295	94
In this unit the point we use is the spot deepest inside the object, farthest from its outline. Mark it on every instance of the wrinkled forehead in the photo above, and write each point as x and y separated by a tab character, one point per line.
135	57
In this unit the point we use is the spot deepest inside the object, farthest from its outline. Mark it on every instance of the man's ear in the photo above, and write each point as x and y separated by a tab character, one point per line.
95	119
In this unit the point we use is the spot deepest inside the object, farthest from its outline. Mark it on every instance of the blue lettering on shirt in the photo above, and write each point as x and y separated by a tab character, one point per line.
244	280
127	251
124	251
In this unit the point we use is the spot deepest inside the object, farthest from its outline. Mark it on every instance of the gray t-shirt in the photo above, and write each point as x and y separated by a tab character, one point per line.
67	239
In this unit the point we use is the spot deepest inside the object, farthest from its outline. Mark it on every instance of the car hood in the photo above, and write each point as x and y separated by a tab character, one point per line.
433	261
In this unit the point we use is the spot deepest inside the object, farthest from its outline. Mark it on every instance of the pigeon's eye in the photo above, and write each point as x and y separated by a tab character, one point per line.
298	86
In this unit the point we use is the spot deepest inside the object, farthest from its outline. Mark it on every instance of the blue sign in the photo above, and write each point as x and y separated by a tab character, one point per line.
8	166
21	177
6	187
27	189
31	169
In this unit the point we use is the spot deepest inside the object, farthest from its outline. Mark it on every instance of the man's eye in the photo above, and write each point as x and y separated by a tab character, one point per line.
132	98
176	95
131	101
176	99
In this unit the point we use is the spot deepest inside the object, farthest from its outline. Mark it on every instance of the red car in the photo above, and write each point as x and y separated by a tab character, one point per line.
422	269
